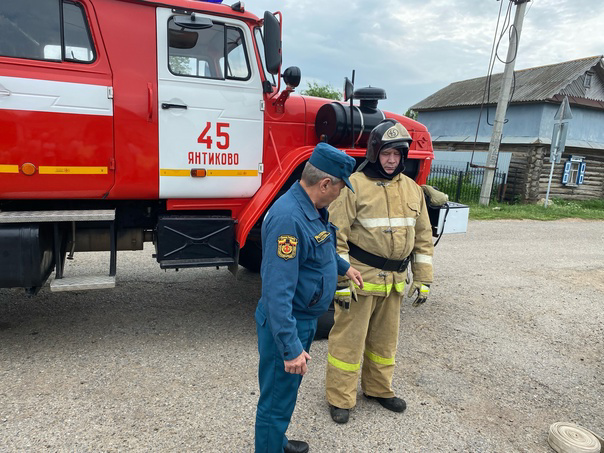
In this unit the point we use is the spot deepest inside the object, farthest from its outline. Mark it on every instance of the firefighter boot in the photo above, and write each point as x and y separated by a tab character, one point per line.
338	414
393	404
295	446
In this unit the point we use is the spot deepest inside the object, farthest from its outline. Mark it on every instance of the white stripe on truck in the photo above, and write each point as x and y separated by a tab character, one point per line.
55	97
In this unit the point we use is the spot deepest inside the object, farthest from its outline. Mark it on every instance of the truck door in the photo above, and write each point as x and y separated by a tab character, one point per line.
210	115
56	106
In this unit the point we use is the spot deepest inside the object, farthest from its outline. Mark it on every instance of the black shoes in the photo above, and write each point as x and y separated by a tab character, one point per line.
295	446
393	404
339	415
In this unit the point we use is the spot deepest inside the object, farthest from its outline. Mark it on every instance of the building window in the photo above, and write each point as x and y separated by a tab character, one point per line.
574	171
587	79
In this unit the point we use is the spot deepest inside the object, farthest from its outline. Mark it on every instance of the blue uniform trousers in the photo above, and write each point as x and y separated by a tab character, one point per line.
278	389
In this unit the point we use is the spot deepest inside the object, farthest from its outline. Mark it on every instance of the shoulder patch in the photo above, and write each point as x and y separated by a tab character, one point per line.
287	246
322	236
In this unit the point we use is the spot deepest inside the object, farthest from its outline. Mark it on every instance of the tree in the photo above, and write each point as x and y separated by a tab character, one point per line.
411	114
321	91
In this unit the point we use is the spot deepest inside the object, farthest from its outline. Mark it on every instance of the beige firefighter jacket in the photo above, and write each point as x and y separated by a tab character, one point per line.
389	219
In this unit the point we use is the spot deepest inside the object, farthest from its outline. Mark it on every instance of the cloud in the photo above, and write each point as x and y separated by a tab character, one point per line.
412	48
561	31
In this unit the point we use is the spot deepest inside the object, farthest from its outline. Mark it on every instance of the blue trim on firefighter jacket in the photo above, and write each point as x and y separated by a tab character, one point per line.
299	269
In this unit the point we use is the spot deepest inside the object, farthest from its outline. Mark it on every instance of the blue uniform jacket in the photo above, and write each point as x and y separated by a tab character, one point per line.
299	267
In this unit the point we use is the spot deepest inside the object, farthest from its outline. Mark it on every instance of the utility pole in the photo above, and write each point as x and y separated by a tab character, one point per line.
502	104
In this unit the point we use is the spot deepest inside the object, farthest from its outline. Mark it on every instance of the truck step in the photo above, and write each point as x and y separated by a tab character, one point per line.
57	216
82	283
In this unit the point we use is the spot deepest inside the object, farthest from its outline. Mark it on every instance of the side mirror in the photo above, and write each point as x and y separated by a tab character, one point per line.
194	21
272	43
348	89
292	76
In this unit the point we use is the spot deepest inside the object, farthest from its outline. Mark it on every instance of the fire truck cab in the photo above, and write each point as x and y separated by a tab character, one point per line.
132	121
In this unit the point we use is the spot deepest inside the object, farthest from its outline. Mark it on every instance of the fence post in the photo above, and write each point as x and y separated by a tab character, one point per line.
503	187
459	183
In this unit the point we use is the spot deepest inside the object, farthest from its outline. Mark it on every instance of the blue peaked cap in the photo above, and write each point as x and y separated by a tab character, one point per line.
333	162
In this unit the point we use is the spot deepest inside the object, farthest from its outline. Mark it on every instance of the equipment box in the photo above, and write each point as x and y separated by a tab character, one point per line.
195	241
453	217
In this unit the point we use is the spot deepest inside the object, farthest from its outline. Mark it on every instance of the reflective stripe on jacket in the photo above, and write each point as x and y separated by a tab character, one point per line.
389	219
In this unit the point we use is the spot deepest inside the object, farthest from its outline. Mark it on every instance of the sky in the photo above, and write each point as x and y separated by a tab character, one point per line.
413	48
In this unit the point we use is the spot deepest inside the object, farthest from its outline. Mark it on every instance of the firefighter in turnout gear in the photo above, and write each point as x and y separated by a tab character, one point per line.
383	228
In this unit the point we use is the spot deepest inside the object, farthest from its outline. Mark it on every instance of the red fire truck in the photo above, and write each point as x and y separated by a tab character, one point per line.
130	121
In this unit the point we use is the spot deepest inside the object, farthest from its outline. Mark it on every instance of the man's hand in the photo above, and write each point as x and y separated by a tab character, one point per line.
355	276
297	365
423	291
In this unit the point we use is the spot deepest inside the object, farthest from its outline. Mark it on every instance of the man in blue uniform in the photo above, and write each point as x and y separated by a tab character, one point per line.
299	277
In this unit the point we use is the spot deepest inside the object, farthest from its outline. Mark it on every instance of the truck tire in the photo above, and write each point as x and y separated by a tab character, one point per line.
250	256
325	323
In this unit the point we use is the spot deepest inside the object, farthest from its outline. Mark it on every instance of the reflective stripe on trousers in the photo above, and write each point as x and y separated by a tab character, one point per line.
343	365
377	359
356	366
383	287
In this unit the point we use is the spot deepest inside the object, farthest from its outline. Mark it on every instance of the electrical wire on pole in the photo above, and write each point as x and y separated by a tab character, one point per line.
502	104
487	84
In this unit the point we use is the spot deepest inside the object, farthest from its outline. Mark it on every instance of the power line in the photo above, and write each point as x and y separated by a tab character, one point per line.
502	103
487	87
511	29
529	8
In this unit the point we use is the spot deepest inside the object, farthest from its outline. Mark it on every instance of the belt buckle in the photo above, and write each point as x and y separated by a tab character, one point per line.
403	265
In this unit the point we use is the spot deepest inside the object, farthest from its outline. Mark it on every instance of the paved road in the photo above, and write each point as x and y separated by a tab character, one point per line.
510	341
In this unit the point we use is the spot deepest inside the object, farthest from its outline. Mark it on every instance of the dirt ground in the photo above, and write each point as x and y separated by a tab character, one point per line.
510	341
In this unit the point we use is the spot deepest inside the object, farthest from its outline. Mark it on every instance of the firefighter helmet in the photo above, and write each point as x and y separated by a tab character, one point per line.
388	134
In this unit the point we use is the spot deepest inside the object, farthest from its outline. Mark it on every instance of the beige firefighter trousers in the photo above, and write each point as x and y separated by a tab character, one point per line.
370	329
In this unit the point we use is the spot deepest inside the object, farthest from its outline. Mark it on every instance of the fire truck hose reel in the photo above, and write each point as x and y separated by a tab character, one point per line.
570	438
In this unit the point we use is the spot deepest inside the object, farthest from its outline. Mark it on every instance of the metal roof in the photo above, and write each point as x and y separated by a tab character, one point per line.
542	83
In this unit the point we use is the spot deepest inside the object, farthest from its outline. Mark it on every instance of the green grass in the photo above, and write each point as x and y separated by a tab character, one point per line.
560	209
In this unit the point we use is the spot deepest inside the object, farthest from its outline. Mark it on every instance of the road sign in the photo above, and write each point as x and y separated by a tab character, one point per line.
564	112
558	141
563	115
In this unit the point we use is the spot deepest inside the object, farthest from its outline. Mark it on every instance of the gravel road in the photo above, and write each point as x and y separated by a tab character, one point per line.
510	341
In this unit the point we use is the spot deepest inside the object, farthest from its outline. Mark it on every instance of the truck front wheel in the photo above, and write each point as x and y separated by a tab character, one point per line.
250	256
325	323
